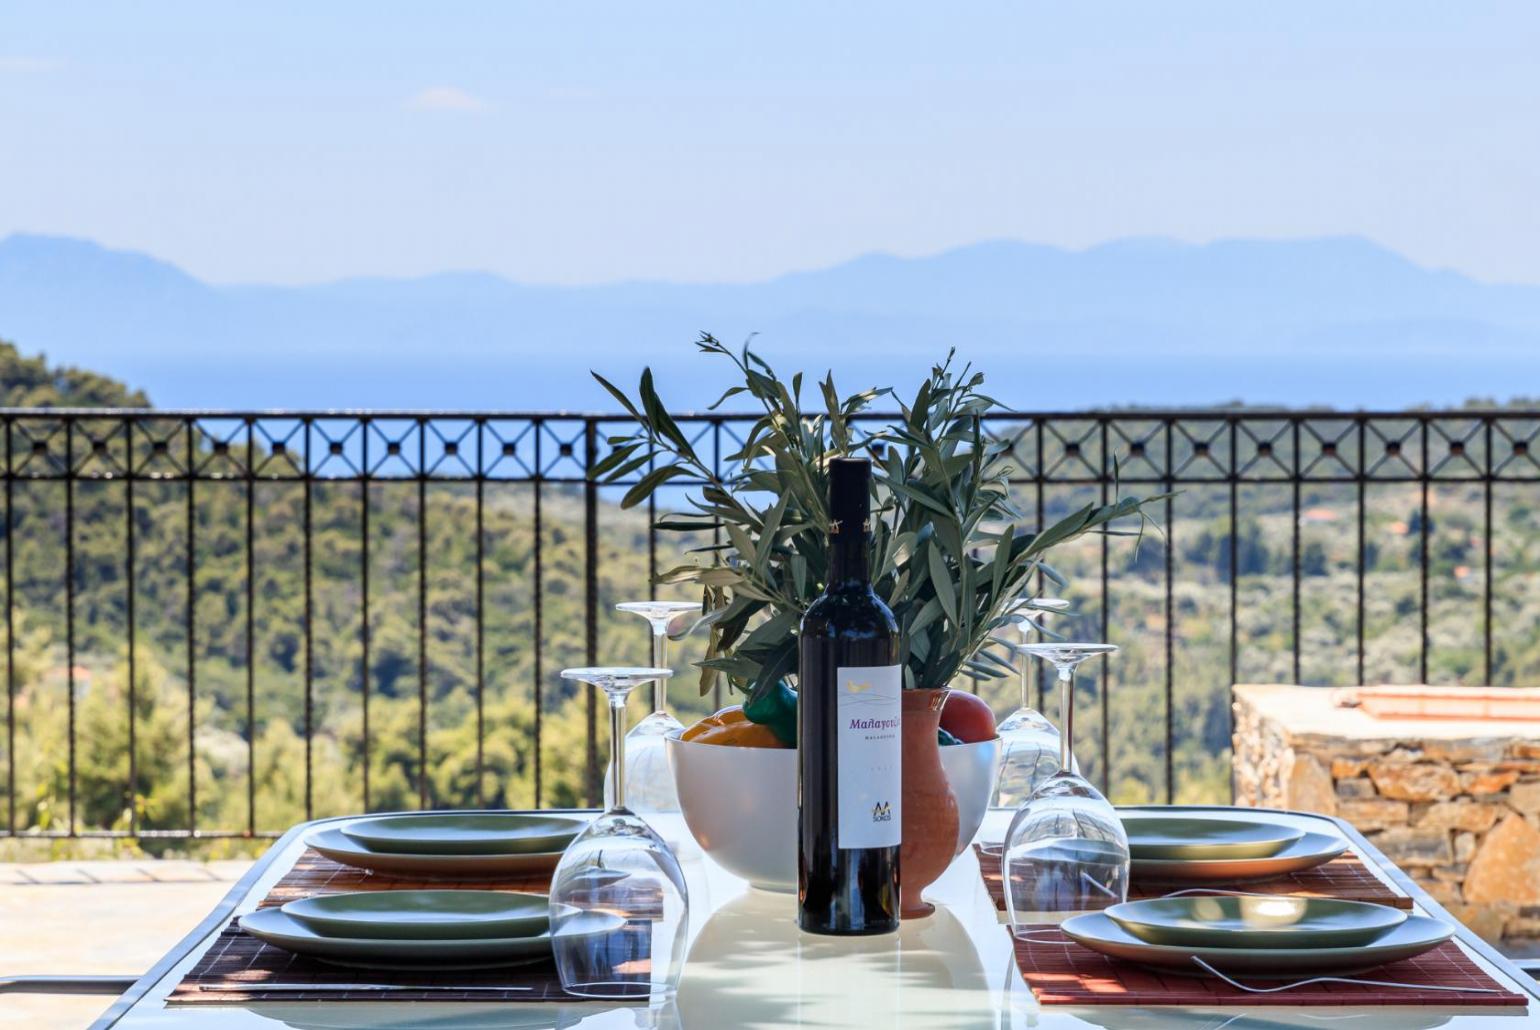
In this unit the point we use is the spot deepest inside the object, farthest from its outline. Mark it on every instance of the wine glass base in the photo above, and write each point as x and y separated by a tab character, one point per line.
657	724
619	991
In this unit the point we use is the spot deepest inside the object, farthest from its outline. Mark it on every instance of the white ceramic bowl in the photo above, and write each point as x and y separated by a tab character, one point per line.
741	802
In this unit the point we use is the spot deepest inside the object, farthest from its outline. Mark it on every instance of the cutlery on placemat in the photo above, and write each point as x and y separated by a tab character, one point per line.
326	988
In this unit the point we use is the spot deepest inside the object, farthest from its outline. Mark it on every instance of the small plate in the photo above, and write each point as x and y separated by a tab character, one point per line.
466	833
1194	837
339	847
1101	933
415	915
1255	921
1311	850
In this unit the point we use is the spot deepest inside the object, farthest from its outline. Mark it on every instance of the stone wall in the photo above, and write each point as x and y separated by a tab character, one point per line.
1459	813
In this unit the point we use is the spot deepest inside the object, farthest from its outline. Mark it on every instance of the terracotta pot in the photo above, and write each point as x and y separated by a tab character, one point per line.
930	808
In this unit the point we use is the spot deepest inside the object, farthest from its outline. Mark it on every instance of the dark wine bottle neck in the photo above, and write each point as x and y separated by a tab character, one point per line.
847	557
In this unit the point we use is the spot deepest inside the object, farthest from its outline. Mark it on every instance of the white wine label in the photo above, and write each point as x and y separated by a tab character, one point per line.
870	749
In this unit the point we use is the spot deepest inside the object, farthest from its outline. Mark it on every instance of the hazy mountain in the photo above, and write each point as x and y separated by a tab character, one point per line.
1149	321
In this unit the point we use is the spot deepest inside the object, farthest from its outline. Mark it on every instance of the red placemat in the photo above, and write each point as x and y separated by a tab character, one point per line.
237	965
315	874
1061	972
1346	878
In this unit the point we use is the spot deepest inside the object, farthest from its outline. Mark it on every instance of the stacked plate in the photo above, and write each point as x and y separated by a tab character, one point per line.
412	929
451	845
1181	848
1258	935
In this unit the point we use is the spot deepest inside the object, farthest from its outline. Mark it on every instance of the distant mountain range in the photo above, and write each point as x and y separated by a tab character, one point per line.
1338	321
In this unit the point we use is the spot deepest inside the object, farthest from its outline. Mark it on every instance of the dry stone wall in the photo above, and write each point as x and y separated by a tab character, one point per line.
1461	816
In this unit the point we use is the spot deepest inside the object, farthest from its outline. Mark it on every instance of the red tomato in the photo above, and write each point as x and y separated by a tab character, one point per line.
967	718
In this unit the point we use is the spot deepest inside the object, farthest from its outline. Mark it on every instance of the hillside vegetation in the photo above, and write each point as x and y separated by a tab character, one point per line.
249	748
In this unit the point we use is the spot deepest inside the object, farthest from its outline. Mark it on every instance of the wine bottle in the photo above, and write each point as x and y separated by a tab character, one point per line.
849	746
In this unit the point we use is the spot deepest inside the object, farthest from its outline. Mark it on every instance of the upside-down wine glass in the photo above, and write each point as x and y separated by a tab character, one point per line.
649	782
620	871
1029	744
1066	850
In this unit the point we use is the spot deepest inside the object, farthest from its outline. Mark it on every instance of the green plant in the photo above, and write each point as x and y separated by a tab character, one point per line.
948	554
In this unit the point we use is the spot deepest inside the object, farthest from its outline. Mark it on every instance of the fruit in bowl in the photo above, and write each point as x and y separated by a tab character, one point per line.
738	792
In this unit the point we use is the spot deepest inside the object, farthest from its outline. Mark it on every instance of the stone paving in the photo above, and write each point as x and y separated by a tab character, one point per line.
96	917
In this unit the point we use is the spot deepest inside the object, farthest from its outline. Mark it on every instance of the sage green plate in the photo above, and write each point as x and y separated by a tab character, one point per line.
1311	850
1255	921
1187	837
414	915
339	847
1101	933
466	833
278	928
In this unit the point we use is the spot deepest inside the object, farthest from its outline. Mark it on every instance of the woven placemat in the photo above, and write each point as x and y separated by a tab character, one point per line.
1346	878
237	964
1061	972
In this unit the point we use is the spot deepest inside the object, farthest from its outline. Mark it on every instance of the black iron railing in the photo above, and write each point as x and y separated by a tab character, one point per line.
230	570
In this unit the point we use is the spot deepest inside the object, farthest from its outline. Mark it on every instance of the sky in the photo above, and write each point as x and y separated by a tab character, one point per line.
710	142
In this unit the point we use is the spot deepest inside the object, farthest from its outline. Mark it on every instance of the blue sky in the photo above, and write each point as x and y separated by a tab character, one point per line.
577	143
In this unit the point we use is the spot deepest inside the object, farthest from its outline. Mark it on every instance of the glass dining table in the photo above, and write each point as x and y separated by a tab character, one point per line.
749	966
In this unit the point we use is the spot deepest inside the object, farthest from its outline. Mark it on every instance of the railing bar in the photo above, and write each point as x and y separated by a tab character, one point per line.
309	672
1235	570
192	643
538	546
1038	673
422	615
364	671
69	603
1170	631
1363	553
129	572
716	535
251	632
591	606
1486	541
1106	631
10	639
481	637
1422	541
1294	558
607	417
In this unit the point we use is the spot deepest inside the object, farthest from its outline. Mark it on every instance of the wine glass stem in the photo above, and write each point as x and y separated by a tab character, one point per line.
659	686
1067	717
618	749
1026	681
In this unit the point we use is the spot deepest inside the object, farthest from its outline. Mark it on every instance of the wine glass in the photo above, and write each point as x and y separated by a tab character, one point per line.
1066	850
619	906
650	783
1029	744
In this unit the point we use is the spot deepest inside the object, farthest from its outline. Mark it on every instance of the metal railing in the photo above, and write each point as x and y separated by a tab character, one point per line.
80	472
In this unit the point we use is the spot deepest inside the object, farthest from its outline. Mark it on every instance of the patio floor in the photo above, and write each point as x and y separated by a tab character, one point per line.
96	917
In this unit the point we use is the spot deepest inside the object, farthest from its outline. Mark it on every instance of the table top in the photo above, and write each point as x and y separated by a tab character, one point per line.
749	966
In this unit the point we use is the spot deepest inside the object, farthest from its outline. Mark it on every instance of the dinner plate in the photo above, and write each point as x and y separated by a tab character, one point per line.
466	833
1255	921
1311	850
278	928
1196	837
339	847
415	915
1100	932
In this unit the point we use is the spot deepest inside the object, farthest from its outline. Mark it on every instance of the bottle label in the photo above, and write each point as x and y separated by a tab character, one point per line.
870	750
